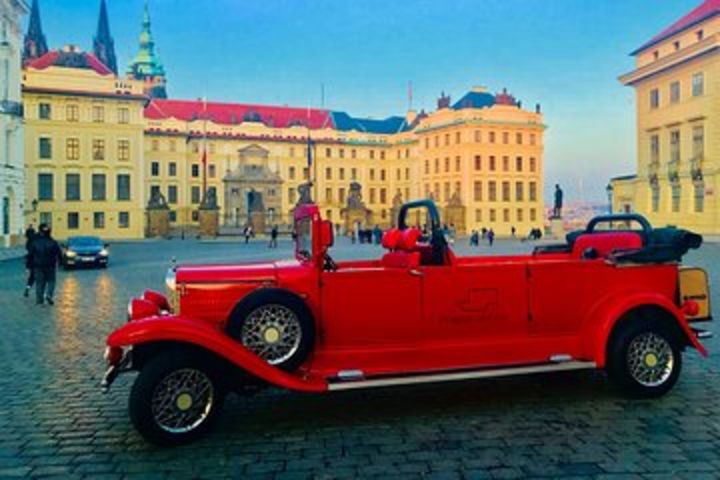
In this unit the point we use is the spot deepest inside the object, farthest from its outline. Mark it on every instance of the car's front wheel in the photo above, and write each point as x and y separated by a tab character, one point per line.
645	358
175	398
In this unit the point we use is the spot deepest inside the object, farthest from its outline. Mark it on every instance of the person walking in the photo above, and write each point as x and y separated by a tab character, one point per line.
491	236
30	234
273	237
513	231
44	255
248	233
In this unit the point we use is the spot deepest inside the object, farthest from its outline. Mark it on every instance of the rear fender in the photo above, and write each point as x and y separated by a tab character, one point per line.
604	317
199	334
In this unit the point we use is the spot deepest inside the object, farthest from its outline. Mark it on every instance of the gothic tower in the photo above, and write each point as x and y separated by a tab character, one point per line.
103	44
146	66
34	45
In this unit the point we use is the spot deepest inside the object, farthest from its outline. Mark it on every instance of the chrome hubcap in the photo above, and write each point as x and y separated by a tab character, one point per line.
182	400
650	359
272	332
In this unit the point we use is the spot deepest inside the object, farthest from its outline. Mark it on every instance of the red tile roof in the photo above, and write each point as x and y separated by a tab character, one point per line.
708	9
235	113
72	59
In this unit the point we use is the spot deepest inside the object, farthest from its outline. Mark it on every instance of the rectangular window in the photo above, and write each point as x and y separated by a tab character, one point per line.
353	174
478	215
372	154
123	150
291	196
506	215
676	193
477	191
291	173
45	148
382	175
654	98
505	138
341	153
172	194
195	194
123	187
532	193
492	191
124	219
73	220
328	152
195	170
155	169
519	138
172	169
44	111
655	197
154	190
46	218
328	173
519	215
492	163
99	220
372	195
674	92
518	164
533	164
458	137
506	191
123	115
519	194
533	215
98	187
532	139
654	149
492	215
98	114
45	186
341	173
72	113
172	216
506	164
698	142
675	146
72	149
372	174
699	194
341	195
478	138
72	187
457	164
478	162
98	149
383	195
491	137
211	171
698	84
447	164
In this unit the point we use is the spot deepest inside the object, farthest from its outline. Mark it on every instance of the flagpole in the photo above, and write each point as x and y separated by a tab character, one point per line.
204	157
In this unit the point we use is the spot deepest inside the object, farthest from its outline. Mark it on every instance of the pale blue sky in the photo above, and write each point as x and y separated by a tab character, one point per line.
564	54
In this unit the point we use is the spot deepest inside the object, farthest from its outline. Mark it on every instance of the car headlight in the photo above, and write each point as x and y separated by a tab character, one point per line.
70	254
104	253
170	279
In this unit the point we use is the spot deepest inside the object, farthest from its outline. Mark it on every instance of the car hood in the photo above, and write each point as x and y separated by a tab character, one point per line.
247	272
85	250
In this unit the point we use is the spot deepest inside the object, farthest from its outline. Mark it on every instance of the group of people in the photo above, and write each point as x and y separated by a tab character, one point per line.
483	234
367	235
41	261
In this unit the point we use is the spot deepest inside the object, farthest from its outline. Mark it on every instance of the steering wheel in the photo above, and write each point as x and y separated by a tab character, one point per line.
329	264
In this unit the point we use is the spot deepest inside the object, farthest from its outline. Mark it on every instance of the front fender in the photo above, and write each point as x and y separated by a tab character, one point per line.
179	329
605	316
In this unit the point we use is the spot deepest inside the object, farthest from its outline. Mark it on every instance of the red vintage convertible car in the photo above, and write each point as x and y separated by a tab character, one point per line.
612	298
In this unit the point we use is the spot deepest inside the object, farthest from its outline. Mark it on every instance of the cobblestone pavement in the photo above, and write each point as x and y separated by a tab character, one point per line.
55	422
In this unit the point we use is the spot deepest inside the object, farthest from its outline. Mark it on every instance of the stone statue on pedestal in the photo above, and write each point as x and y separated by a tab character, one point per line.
557	207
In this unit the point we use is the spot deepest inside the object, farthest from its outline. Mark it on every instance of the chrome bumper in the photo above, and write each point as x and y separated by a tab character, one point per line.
114	370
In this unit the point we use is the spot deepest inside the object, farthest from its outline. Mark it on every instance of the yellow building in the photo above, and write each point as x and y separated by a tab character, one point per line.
677	85
83	146
484	150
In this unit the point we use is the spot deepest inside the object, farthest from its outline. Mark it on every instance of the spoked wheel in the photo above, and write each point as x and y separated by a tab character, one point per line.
175	398
276	325
273	333
644	358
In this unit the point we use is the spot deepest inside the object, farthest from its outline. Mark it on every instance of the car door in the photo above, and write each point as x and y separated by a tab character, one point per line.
476	313
371	319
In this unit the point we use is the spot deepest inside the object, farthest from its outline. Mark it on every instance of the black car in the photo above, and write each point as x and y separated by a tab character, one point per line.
85	251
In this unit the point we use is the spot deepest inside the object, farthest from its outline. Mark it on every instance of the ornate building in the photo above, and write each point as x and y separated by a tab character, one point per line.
678	125
146	66
98	147
12	174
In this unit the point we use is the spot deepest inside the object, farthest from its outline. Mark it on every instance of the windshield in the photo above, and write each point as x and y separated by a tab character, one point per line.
84	242
303	232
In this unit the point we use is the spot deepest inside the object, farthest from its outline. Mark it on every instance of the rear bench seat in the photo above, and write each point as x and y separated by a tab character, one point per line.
602	244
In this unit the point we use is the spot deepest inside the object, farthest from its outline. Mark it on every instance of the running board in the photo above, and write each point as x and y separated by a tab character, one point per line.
456	376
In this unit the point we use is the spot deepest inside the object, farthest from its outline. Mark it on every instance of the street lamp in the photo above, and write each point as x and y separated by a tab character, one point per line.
609	190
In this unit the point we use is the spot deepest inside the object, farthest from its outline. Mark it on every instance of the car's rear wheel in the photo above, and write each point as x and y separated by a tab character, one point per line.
175	398
644	357
275	325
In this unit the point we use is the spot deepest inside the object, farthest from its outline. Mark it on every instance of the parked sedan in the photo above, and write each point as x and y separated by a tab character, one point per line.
81	251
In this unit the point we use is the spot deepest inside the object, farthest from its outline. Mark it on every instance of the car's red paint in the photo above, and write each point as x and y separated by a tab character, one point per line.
398	315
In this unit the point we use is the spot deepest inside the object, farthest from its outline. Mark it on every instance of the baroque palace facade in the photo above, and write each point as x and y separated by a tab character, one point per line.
99	146
677	86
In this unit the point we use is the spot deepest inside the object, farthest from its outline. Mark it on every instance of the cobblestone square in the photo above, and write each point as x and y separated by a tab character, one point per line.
55	422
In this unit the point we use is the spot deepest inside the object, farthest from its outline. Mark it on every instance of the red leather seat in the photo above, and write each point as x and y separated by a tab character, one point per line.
401	244
391	238
409	239
605	243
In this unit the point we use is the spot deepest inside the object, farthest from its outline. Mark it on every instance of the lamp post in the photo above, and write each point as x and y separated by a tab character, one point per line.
609	190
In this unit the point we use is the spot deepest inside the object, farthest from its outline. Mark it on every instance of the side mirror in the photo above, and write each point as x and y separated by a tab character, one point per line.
327	234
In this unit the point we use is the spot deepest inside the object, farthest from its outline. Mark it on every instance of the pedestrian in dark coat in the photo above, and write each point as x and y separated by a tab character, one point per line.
273	237
491	236
29	237
45	255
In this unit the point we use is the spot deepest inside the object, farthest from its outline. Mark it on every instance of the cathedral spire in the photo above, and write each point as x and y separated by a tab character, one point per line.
103	44
146	65
35	44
